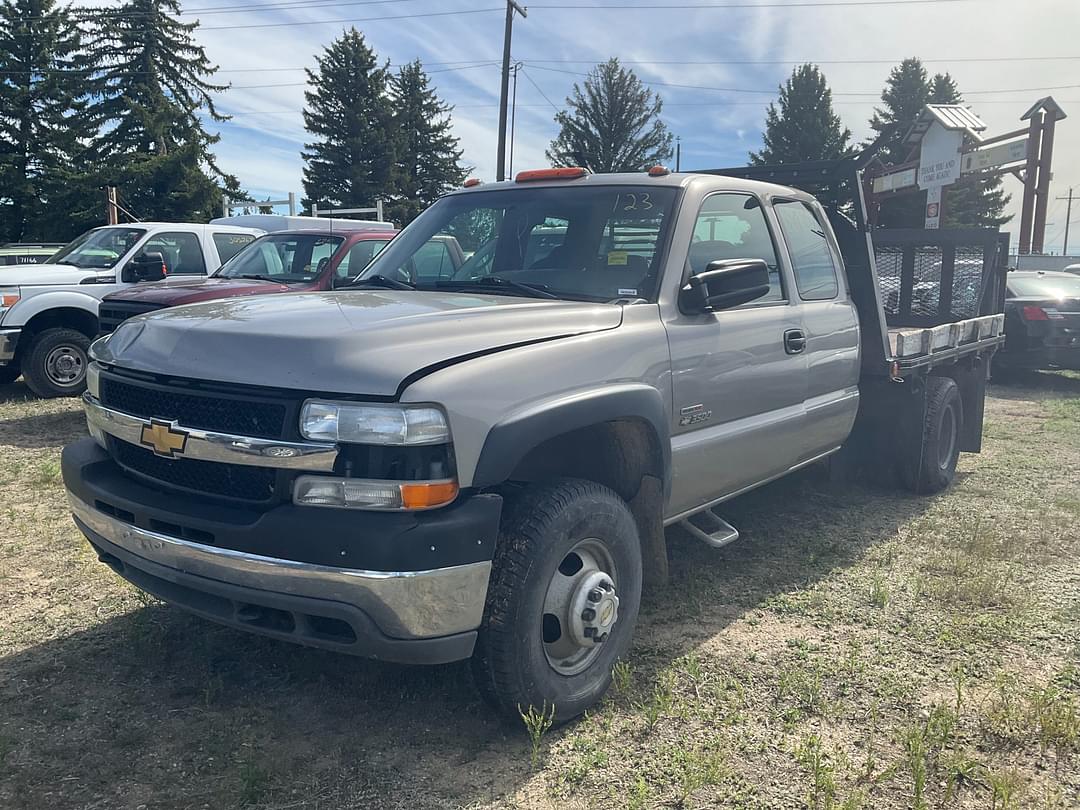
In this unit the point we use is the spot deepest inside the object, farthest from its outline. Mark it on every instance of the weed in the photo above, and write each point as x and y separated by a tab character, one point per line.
663	698
254	784
49	472
879	592
639	795
1004	789
913	741
537	724
960	770
802	684
810	756
695	770
622	676
940	727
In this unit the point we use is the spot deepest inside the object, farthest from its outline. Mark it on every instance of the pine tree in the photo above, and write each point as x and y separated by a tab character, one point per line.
351	162
41	104
804	126
428	159
966	203
613	125
153	83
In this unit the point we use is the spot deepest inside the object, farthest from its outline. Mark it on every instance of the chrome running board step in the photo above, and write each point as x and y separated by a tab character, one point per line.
710	528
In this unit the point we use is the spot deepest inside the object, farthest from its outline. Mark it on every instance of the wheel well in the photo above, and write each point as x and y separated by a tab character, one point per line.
617	454
64	318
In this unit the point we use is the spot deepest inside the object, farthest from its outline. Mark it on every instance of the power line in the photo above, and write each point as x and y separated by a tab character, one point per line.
726	6
773	91
352	20
196	11
305	84
555	107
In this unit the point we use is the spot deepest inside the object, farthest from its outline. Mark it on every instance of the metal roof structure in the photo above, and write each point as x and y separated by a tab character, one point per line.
951	116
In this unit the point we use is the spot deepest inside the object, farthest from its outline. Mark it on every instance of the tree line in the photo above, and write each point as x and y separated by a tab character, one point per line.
124	96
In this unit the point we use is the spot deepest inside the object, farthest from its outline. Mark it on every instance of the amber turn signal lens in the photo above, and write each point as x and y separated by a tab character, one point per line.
428	495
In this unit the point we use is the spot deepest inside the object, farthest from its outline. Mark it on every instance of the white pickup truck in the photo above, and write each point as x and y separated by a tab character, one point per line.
49	312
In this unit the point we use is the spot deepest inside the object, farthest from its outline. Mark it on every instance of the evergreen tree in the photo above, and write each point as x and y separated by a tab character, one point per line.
966	203
804	126
153	82
351	162
428	159
613	125
906	92
41	102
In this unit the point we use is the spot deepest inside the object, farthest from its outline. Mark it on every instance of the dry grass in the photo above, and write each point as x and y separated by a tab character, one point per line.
858	649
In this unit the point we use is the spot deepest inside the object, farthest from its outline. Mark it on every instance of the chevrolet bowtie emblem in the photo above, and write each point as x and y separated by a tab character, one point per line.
164	438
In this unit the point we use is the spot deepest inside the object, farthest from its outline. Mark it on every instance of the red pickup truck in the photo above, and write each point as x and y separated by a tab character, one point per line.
280	262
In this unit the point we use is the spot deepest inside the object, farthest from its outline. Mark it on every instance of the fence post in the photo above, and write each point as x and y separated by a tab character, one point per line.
292	203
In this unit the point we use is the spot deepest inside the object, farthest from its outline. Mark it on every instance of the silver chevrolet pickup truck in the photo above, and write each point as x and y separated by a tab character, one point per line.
482	465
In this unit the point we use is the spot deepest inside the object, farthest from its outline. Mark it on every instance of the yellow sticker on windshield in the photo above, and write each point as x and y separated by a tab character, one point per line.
617	257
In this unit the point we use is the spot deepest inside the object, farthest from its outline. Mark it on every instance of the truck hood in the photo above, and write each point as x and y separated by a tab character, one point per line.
177	290
31	275
364	343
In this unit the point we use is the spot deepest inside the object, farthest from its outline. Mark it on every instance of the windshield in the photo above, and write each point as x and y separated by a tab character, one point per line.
575	242
100	248
286	258
1057	287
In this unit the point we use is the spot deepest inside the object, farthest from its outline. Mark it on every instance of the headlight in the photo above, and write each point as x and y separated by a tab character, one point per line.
93	380
360	493
9	297
356	423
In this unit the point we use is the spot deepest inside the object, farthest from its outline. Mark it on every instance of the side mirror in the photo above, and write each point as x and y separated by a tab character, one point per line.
724	284
145	267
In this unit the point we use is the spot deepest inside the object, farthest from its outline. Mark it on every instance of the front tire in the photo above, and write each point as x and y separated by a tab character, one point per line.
931	463
562	602
55	364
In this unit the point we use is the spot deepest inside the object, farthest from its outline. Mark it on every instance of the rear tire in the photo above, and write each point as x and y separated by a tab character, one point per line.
9	373
55	364
930	465
560	544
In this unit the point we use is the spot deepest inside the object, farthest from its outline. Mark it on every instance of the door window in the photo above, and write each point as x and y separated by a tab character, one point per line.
733	226
358	257
229	244
811	258
432	262
181	250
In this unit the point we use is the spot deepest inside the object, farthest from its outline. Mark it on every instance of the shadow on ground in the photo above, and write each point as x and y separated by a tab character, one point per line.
43	430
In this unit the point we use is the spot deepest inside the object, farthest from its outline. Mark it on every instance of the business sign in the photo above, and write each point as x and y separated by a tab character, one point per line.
933	208
994	156
939	157
894	181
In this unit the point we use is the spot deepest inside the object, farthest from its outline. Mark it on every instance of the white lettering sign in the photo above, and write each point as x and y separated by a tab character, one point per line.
939	157
993	156
894	181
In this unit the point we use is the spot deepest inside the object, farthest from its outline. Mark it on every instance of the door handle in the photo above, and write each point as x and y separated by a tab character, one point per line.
794	341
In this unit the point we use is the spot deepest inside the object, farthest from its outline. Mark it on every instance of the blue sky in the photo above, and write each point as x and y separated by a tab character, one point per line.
856	47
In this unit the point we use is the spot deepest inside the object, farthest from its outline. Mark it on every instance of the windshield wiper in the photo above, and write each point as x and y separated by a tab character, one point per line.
528	290
253	277
381	281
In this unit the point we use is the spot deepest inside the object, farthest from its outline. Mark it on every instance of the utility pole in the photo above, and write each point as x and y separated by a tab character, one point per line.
1068	219
112	215
678	152
513	114
511	7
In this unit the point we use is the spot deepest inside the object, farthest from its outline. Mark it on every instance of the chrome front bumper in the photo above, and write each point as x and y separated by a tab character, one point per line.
9	341
403	605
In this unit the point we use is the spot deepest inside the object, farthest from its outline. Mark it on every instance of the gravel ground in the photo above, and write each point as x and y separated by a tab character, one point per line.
857	648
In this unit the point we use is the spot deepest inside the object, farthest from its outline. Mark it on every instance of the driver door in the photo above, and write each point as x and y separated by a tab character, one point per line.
739	381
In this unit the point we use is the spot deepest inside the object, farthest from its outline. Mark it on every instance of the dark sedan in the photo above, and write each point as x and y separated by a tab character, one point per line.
1042	321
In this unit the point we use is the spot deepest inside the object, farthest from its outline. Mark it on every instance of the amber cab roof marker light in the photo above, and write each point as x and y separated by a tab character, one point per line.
564	173
659	171
472	182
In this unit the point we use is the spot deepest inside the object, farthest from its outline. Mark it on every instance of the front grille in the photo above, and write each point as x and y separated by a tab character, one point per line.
233	481
113	313
243	416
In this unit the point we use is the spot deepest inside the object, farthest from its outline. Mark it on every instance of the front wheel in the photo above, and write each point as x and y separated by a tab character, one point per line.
55	364
563	600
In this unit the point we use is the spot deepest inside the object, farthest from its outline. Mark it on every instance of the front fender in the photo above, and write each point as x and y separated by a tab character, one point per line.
37	302
511	439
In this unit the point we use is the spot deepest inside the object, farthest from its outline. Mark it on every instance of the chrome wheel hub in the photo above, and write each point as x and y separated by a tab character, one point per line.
581	607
